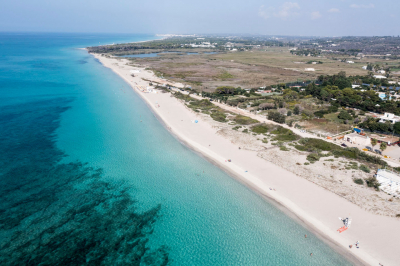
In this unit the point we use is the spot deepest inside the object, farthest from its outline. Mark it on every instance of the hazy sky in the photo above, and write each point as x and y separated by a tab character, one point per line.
301	17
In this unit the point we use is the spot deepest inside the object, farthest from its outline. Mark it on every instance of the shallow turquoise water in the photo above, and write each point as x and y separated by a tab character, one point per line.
142	198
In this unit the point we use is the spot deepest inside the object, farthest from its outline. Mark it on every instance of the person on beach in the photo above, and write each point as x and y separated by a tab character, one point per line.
311	254
350	246
305	236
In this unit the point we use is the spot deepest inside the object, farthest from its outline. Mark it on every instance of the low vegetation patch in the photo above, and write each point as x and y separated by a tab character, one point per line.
317	145
284	134
373	182
184	97
364	168
225	75
260	129
284	148
218	116
244	120
358	181
313	157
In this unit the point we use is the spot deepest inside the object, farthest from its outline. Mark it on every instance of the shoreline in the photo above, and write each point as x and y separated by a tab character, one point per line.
253	182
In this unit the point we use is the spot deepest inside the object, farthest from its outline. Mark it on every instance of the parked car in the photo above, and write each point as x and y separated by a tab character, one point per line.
378	152
344	145
368	148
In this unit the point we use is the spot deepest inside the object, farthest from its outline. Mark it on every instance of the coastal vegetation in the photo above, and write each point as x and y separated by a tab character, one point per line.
244	120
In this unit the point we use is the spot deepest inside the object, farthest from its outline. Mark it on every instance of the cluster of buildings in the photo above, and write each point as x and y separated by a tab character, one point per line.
388	117
202	45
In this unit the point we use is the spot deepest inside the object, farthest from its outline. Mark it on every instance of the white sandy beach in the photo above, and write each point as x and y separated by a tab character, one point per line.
317	207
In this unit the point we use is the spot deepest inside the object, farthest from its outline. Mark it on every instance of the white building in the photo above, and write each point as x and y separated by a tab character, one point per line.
381	71
389	117
390	181
350	62
364	67
355	86
309	69
379	77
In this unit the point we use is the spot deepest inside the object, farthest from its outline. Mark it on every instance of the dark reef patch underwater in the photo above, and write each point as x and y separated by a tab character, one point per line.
53	213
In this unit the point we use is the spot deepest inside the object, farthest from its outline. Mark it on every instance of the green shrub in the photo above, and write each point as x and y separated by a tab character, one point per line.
284	134
373	182
218	116
265	140
245	130
301	147
358	181
244	120
320	113
260	129
313	157
364	168
284	148
306	163
344	115
236	128
277	117
184	97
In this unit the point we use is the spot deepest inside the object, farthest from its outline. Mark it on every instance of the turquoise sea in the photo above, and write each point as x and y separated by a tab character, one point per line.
84	182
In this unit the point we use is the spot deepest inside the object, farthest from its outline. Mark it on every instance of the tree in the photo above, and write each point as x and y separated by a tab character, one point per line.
277	117
296	110
396	127
264	106
342	74
289	113
383	146
373	142
344	115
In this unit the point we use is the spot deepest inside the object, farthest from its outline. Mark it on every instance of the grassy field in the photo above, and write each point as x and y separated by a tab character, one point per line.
247	69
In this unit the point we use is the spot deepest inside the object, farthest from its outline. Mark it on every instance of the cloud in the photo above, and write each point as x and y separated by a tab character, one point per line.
266	12
315	15
333	10
285	11
362	6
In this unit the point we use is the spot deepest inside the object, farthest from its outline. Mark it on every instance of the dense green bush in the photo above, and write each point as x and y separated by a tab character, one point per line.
284	134
358	181
344	115
218	116
276	117
260	129
373	182
301	147
244	120
320	113
364	168
313	157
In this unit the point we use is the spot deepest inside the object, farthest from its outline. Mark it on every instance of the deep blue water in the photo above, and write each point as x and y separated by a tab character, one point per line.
84	182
